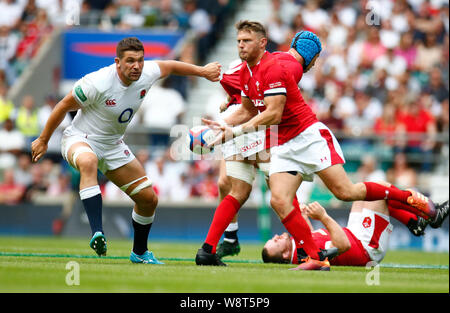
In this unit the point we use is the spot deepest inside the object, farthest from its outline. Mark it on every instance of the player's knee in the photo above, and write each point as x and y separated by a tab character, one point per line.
342	194
278	203
241	192
224	185
147	200
87	163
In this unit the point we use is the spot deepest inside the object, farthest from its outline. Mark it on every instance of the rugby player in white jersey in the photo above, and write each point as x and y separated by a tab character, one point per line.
106	101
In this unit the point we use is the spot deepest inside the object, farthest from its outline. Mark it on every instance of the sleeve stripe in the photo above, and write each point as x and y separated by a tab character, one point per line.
275	90
275	94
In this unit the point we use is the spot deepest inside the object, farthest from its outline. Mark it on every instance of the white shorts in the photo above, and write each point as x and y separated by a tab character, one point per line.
110	155
311	151
373	230
245	145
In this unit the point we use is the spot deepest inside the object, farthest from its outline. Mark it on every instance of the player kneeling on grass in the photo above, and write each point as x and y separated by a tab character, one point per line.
365	238
106	101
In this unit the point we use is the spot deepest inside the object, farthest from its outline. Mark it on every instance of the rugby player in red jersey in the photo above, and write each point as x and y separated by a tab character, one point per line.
365	238
303	146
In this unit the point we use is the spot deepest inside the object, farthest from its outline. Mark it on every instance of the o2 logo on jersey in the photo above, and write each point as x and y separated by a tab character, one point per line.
367	222
126	116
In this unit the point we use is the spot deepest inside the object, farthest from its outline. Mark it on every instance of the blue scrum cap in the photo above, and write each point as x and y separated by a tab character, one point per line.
307	44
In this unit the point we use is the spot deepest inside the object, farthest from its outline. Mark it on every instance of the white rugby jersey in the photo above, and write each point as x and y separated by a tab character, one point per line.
107	105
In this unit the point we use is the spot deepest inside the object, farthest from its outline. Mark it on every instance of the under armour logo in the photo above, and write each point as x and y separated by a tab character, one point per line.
302	242
323	159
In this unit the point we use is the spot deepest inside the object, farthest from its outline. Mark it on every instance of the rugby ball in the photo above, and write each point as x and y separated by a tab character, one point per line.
198	139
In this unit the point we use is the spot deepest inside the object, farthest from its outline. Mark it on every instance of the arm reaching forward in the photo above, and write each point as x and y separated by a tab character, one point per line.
40	145
338	237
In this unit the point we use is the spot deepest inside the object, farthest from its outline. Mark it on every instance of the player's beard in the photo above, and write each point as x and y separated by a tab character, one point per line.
133	76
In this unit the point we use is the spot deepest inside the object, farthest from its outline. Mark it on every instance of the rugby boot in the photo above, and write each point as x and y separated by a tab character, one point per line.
417	227
309	264
146	258
98	243
205	258
227	248
421	202
441	214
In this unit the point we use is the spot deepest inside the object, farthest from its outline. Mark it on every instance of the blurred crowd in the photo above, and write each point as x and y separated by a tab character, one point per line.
383	72
381	83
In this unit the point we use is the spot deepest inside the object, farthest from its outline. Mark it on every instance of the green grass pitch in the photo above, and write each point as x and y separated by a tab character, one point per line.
30	264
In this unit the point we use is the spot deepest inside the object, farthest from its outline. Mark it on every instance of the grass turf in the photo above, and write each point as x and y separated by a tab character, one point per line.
29	264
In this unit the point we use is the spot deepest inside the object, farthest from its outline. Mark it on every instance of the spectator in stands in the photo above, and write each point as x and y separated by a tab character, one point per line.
313	16
162	182
8	46
10	191
38	184
10	12
400	173
407	49
429	53
166	16
200	24
386	125
161	109
372	47
358	125
436	86
27	120
369	171
394	65
6	105
334	122
12	143
22	171
420	127
207	188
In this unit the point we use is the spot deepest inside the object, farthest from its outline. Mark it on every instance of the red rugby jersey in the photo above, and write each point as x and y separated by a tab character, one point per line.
276	74
231	84
355	256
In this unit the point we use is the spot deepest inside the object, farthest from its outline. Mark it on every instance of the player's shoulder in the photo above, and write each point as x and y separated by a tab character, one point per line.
151	70
270	63
101	79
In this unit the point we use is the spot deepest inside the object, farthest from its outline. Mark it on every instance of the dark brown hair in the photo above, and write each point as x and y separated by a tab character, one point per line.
272	258
250	26
128	44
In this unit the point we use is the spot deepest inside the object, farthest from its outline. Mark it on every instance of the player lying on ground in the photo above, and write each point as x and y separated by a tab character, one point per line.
106	101
304	146
365	238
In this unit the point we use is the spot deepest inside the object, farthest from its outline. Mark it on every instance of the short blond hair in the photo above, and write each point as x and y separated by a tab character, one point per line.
251	26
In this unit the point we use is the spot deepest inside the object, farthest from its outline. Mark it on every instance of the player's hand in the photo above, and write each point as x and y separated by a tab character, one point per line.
223	132
223	107
38	149
212	71
315	211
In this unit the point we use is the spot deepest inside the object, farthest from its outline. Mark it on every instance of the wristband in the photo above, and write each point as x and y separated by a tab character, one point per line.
237	131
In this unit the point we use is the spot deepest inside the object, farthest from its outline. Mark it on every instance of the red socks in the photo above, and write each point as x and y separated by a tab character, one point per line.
299	229
376	191
403	212
225	212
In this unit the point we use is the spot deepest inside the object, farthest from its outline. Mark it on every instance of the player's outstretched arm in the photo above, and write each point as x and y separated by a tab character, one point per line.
40	145
210	71
338	237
